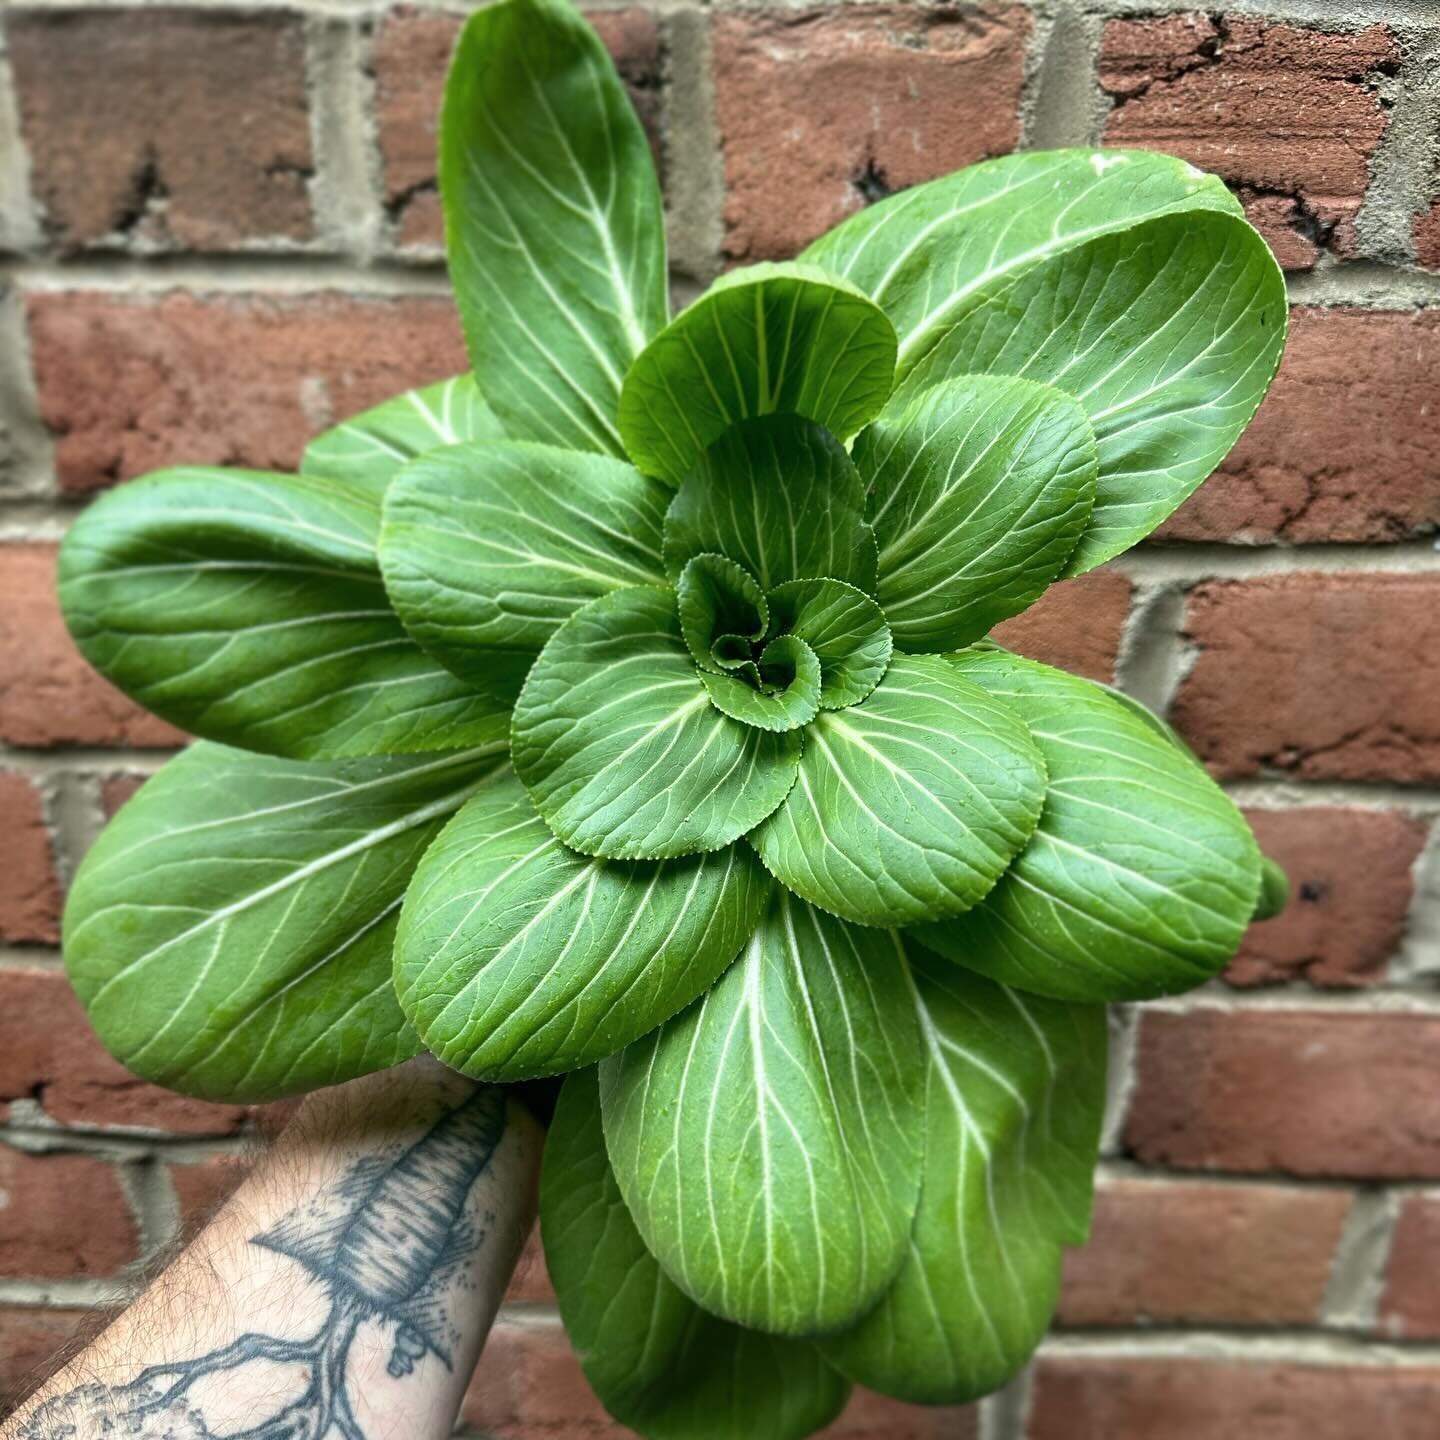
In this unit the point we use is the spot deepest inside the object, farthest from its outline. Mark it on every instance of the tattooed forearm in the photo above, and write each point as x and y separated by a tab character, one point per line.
392	1246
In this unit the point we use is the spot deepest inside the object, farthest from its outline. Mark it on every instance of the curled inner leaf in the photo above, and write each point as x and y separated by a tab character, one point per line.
785	691
844	628
722	612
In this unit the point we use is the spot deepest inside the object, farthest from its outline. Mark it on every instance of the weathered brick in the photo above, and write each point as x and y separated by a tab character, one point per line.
184	128
1318	463
1288	116
1410	1301
29	887
1427	237
1350	893
65	1216
49	1055
203	1186
131	383
115	790
531	1281
1076	624
412	52
1295	1092
48	694
1204	1253
821	112
34	1343
1190	1398
1325	677
529	1385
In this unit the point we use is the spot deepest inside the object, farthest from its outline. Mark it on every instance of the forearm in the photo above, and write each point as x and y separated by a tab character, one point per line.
344	1290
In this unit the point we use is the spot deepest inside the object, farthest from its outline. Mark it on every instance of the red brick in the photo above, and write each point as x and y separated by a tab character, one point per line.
1427	237
1410	1302
65	1216
412	53
50	1055
48	694
823	111
531	1281
179	128
203	1186
29	887
130	383
115	790
1076	624
1184	1398
1325	677
1287	116
1296	1092
529	1385
1350	893
1318	464
1203	1253
34	1343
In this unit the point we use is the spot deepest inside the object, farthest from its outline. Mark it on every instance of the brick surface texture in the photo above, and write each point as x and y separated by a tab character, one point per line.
220	233
1290	117
820	111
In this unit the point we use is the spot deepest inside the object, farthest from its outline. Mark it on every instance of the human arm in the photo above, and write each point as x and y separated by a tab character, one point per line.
345	1289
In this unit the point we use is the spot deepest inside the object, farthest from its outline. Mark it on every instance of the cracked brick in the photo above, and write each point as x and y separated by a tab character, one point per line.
820	112
1324	459
1323	677
178	128
1289	117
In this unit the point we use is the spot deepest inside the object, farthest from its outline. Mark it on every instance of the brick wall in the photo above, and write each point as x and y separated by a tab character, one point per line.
219	227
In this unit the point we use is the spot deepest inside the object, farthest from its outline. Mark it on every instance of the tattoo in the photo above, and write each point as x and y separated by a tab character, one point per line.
388	1242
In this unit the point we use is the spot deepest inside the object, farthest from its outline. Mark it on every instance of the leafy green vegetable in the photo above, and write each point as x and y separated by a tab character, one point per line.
764	340
689	758
230	932
767	1140
1141	876
249	608
487	549
517	957
622	752
553	223
909	805
982	488
366	451
779	496
661	1364
1015	1090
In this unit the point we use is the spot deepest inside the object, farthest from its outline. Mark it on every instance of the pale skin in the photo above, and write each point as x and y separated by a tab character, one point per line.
345	1290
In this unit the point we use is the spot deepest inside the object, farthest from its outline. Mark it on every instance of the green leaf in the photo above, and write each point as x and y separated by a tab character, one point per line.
1274	890
487	549
780	496
249	608
517	957
909	805
1127	278
722	612
660	1364
621	749
762	340
981	488
1014	1097
230	931
843	627
1141	876
788	675
767	1140
366	451
553	222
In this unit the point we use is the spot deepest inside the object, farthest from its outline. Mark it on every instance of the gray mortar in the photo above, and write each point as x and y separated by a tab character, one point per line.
693	167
